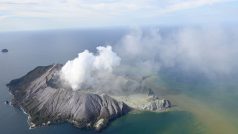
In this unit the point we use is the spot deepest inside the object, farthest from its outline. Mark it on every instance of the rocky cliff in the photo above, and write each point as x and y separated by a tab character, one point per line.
37	95
43	97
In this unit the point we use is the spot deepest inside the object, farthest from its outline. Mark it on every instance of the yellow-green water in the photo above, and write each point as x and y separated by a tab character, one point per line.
214	120
190	115
212	103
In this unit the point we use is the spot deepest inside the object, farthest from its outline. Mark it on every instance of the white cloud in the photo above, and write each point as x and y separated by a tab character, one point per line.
91	11
68	8
191	4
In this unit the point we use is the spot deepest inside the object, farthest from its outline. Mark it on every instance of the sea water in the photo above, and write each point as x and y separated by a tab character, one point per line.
200	105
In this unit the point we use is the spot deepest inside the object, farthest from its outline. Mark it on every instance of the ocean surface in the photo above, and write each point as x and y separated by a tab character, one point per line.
201	105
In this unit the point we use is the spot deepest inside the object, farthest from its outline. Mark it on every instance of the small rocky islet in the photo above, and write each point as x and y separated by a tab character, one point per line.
46	101
4	50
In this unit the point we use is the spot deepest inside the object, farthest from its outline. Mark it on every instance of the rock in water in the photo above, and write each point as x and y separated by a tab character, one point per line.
7	102
37	94
157	105
4	50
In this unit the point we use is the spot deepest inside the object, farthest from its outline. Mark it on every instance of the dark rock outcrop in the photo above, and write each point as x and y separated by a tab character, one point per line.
7	102
46	102
4	50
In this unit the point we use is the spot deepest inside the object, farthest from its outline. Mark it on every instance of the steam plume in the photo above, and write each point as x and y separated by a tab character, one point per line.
80	71
140	53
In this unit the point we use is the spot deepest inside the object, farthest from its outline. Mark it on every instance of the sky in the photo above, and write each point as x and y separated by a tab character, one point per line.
17	15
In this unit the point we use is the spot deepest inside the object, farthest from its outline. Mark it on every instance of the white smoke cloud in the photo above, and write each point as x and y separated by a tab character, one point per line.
208	50
81	71
142	53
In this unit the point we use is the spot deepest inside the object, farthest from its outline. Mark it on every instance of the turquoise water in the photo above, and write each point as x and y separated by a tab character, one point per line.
202	105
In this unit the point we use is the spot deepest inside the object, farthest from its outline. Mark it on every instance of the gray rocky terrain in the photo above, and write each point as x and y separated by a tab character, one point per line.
45	100
46	104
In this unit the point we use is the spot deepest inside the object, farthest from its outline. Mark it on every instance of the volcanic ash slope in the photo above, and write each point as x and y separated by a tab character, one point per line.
46	101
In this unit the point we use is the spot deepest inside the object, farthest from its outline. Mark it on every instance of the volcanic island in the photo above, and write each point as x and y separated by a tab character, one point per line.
46	101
